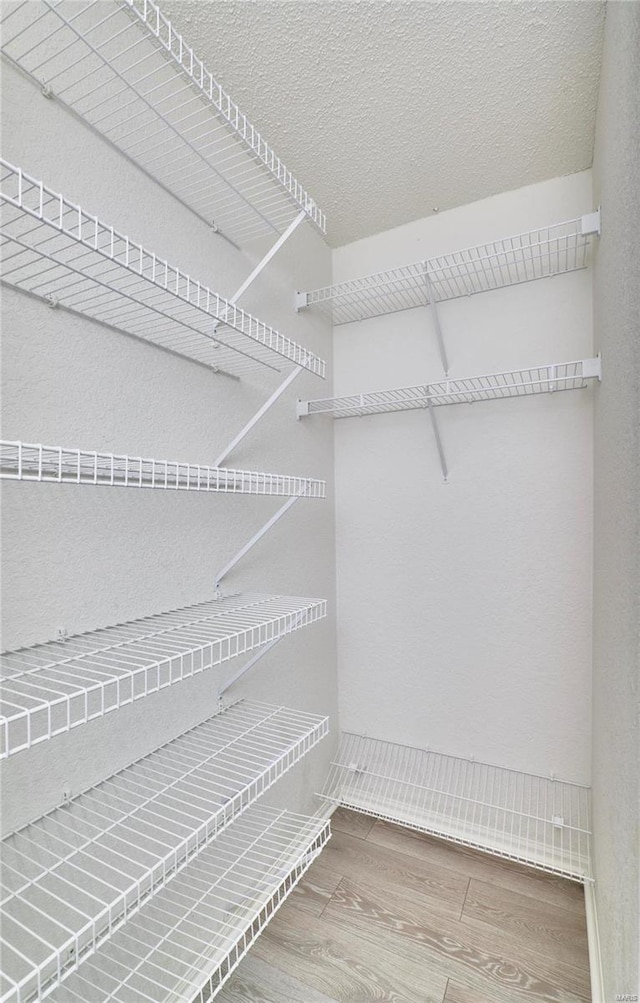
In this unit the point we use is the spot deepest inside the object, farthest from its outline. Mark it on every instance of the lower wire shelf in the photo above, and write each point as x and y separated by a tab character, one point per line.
539	821
51	688
72	878
183	945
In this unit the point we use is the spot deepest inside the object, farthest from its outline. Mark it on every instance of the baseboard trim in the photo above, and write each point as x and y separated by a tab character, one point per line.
593	940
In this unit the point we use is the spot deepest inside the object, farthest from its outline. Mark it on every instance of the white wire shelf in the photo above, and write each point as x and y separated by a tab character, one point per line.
121	67
535	820
72	878
53	249
551	250
29	461
185	944
51	688
465	390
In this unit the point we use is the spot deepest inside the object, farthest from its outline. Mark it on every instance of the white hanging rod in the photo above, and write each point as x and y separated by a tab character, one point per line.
550	250
121	67
49	689
71	878
186	943
540	821
465	390
54	249
26	461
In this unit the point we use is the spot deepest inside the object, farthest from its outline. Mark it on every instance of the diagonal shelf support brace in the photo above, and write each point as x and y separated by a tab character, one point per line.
436	323
257	416
295	371
256	658
436	433
257	537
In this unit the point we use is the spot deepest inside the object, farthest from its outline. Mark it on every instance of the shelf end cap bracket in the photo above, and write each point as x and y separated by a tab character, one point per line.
590	224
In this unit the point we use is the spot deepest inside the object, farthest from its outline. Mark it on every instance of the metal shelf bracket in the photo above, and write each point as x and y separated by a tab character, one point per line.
257	537
436	433
436	323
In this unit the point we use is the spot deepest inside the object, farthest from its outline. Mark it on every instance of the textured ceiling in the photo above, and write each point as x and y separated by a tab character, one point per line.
385	109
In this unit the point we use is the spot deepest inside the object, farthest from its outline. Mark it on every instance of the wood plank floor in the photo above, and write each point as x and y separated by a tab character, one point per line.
386	915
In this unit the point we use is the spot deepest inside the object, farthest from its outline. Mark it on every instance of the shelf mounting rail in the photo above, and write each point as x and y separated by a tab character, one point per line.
55	250
121	67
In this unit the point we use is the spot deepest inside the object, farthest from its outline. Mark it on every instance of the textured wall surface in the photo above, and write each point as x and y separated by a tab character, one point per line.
83	557
384	110
464	609
616	693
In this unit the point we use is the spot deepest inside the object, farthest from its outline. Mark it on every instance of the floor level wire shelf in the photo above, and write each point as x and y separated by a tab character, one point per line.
51	688
122	67
71	879
535	820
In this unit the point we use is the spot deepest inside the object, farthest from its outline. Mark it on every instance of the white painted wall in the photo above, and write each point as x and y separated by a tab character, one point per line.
464	609
616	697
83	557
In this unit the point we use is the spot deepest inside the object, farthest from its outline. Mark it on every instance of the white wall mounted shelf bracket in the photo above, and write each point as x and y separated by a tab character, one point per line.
258	415
257	537
439	446
436	323
252	661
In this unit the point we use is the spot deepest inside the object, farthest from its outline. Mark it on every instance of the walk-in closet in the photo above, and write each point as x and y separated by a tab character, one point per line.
320	472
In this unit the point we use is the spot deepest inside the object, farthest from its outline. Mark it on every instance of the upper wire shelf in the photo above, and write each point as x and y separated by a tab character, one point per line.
536	254
51	688
122	67
465	390
185	944
73	877
53	249
27	461
535	820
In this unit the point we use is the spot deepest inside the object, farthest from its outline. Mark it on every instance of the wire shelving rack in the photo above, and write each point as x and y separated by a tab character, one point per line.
538	821
53	249
27	461
51	688
464	390
72	878
536	254
122	67
186	942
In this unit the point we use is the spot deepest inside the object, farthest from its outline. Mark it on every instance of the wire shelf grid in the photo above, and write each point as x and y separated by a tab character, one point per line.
51	688
27	461
55	250
534	820
185	944
551	250
121	67
465	390
72	878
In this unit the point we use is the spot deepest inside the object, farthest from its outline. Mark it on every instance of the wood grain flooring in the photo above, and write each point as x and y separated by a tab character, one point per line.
388	915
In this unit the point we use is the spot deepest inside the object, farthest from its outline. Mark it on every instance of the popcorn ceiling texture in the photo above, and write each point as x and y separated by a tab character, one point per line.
385	110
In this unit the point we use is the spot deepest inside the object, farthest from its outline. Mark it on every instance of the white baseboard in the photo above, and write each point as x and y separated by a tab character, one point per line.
593	940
